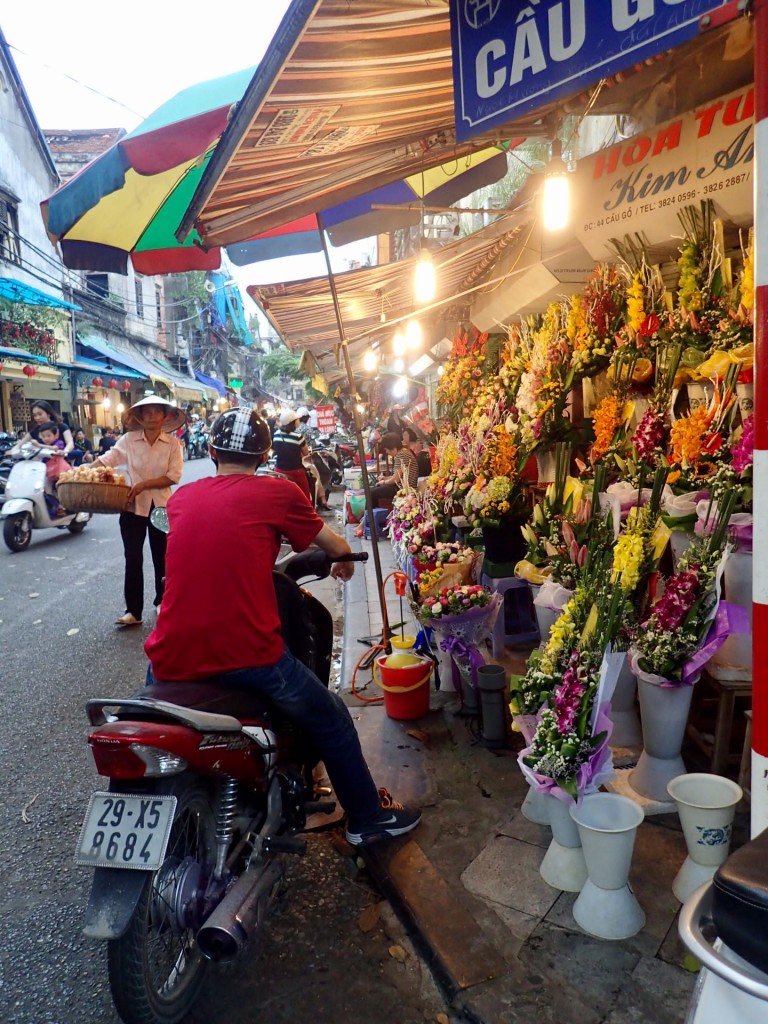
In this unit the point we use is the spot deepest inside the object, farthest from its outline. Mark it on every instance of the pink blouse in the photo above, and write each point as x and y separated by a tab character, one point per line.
147	461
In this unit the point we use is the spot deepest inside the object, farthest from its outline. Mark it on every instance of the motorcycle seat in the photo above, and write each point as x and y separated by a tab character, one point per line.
205	696
740	902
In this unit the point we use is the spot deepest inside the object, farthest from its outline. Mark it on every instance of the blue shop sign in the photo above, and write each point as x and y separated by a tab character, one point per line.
513	56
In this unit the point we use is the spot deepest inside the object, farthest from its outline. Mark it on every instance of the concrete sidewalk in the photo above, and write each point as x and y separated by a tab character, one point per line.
501	942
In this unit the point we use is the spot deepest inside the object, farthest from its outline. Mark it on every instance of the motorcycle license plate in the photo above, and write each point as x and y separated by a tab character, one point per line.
122	831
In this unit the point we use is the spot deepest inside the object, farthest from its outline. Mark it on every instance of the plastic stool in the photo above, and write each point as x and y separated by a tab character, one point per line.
524	627
380	519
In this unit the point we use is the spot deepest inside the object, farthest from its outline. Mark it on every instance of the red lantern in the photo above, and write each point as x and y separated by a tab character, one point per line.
126	385
28	371
97	382
113	384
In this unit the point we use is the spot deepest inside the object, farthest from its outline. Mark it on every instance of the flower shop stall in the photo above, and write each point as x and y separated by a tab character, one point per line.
601	454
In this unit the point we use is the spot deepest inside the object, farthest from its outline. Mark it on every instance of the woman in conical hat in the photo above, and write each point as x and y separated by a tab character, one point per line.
153	457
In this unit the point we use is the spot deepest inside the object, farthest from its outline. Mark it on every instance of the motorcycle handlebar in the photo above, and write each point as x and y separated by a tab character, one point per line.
353	556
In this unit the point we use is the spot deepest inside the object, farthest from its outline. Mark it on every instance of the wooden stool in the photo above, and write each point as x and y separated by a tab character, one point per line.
725	691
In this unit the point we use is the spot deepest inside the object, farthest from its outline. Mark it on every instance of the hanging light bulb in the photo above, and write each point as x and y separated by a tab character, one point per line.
440	370
398	344
399	365
106	402
413	335
120	407
370	360
400	387
424	282
556	197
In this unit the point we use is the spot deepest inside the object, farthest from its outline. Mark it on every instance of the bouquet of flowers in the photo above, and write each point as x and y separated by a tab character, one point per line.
698	440
547	380
463	616
496	493
685	627
569	750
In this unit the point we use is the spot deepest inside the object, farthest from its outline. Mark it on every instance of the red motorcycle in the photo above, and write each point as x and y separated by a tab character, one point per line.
209	789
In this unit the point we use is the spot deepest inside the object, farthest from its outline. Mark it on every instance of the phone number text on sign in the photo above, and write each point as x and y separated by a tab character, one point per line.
706	154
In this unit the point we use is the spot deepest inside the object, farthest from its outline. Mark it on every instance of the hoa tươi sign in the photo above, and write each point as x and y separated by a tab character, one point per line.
636	186
510	58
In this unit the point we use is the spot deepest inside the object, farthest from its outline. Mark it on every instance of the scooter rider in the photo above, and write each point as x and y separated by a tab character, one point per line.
228	528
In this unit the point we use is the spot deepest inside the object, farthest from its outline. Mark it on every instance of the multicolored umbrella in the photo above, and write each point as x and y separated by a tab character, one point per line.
129	201
402	203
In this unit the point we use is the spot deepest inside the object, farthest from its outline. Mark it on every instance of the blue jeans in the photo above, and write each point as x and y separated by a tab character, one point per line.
323	715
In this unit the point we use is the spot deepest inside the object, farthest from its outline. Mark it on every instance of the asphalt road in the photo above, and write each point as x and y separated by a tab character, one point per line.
334	951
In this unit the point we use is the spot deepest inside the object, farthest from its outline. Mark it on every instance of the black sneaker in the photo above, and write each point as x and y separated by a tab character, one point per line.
392	820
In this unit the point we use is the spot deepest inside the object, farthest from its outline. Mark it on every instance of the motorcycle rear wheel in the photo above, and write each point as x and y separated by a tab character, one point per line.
155	968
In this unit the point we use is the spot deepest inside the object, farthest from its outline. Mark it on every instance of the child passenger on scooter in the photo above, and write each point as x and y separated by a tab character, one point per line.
49	436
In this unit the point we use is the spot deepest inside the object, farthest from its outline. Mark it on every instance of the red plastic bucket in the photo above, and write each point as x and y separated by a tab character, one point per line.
406	688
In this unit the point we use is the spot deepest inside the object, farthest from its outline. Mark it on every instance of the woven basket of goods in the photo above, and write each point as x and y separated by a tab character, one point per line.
93	489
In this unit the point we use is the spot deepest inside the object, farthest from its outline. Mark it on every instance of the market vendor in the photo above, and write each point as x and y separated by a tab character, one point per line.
406	472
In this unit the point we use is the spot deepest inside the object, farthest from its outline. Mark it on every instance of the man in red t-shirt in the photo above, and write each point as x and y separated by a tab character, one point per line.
227	530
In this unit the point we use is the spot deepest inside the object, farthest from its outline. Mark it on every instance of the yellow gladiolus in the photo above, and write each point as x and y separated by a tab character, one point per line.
591	623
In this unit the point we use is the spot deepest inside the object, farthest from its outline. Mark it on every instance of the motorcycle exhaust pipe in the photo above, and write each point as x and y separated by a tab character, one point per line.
225	933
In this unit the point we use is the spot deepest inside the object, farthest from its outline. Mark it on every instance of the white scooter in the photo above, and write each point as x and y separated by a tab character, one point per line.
723	923
24	508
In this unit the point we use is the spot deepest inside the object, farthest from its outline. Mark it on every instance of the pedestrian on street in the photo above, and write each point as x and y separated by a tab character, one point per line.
290	448
229	528
154	461
83	450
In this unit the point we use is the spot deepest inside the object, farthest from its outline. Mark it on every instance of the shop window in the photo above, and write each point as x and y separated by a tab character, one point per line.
159	306
139	285
97	284
9	229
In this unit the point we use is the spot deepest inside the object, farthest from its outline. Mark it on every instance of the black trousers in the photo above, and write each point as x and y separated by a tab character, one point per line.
133	530
385	491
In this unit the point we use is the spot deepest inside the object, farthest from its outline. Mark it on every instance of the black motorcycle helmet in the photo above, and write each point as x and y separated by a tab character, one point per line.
241	430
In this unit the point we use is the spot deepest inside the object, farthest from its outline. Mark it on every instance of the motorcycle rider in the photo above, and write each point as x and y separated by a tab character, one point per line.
308	433
229	528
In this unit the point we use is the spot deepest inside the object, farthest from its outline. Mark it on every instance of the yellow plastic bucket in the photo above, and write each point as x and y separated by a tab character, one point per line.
403	644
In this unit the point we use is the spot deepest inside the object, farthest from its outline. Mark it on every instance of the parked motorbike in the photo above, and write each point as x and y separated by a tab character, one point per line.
24	508
328	468
209	790
723	923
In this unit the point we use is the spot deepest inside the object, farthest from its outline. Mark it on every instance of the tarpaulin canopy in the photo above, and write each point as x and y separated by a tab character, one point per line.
84	365
145	367
211	382
18	291
21	354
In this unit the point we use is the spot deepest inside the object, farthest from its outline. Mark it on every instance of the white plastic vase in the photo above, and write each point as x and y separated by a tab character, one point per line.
680	541
535	807
623	713
545	620
606	906
736	652
545	462
563	866
664	715
699	395
706	805
745	394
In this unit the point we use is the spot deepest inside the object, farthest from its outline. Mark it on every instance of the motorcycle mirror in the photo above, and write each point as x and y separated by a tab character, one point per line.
159	519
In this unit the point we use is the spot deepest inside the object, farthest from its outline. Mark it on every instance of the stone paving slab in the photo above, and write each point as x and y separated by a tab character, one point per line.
507	872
